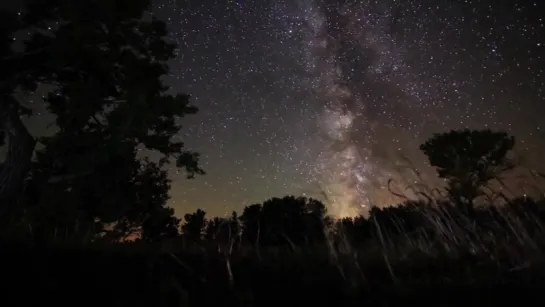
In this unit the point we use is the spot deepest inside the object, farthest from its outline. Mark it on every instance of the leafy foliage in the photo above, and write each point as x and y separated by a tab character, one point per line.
104	63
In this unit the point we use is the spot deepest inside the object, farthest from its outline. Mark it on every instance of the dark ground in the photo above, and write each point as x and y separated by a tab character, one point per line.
130	276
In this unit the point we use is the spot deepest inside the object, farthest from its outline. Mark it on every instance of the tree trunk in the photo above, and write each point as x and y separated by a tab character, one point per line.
19	156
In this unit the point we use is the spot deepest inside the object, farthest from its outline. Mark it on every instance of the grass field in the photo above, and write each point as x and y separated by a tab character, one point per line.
491	266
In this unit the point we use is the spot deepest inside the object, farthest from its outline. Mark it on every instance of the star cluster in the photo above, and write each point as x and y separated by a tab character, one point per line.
331	98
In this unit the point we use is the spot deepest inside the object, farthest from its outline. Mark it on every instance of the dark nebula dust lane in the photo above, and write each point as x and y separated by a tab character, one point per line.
334	97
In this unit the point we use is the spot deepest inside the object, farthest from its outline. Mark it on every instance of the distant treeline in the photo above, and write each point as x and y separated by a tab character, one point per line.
300	221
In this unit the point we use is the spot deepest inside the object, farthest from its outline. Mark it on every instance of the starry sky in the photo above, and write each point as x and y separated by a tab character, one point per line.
330	98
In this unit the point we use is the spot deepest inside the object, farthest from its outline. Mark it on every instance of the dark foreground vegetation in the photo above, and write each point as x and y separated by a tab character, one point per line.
70	200
412	254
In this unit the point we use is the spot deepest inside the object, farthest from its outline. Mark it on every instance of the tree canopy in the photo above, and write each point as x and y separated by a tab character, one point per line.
469	159
103	65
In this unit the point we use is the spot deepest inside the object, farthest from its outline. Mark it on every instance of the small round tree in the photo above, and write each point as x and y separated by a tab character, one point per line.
468	160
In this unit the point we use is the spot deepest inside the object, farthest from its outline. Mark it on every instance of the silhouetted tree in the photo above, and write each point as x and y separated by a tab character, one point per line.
217	229
404	219
354	229
361	229
236	229
105	61
223	230
234	222
282	220
468	160
251	223
194	226
315	220
162	224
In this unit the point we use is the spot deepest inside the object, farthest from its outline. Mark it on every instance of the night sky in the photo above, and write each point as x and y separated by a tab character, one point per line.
334	97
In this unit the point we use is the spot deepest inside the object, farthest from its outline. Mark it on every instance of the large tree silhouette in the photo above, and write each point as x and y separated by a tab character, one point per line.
104	62
468	160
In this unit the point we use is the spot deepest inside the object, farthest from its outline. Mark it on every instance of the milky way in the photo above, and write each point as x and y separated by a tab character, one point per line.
331	99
